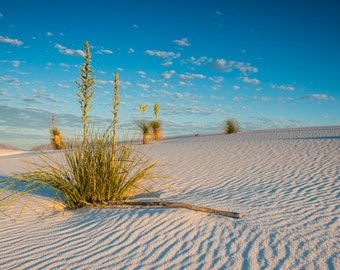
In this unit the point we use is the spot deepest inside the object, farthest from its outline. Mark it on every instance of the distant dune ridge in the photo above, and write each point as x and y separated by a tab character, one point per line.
285	182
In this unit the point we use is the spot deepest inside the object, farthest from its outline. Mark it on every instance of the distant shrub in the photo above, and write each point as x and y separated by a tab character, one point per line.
231	125
56	137
145	128
157	133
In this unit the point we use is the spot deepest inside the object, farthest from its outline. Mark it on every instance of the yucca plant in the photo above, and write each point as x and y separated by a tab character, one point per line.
95	171
231	125
155	125
157	133
56	137
93	175
145	128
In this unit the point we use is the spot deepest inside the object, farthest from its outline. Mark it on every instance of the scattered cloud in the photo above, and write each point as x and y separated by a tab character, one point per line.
163	54
321	97
264	99
1	15
49	34
182	42
168	74
144	86
283	87
167	64
8	79
135	26
67	51
101	83
64	65
199	61
64	86
141	73
251	81
217	79
104	51
15	63
228	66
236	87
131	50
14	42
188	77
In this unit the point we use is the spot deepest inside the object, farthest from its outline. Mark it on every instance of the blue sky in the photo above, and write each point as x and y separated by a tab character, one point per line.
269	64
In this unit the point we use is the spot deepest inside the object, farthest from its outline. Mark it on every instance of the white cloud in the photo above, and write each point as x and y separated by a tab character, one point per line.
14	42
167	64
182	42
64	65
15	63
66	51
163	54
135	26
1	15
144	86
236	87
251	81
9	79
283	87
104	51
187	77
49	34
199	61
178	96
168	74
228	66
217	79
103	82
64	86
141	73
131	50
322	97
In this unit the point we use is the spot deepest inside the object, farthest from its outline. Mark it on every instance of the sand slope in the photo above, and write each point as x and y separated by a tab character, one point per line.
285	182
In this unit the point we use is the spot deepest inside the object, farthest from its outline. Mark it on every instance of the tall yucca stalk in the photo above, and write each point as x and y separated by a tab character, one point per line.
156	109
115	102
86	85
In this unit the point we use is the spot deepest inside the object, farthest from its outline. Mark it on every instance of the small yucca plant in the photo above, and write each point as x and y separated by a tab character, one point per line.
231	125
145	128
155	126
56	137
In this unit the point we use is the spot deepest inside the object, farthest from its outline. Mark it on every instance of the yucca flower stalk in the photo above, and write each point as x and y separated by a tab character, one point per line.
156	109
86	85
143	108
115	102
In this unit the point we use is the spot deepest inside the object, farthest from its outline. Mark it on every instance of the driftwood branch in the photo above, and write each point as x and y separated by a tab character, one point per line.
175	204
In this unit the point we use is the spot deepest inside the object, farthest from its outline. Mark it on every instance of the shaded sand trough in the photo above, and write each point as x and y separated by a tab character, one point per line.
285	183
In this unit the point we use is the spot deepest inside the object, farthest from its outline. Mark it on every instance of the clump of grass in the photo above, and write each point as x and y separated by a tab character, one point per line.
93	175
56	137
231	125
157	133
145	128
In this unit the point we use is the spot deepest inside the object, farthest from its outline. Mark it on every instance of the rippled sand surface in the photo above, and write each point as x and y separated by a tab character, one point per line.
285	182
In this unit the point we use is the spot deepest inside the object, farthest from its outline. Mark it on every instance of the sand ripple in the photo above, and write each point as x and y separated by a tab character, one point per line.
285	182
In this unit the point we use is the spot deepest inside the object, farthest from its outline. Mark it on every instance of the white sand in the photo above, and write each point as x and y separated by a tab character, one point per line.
285	182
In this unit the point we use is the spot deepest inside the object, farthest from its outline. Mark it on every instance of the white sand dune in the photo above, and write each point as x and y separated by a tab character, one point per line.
285	183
